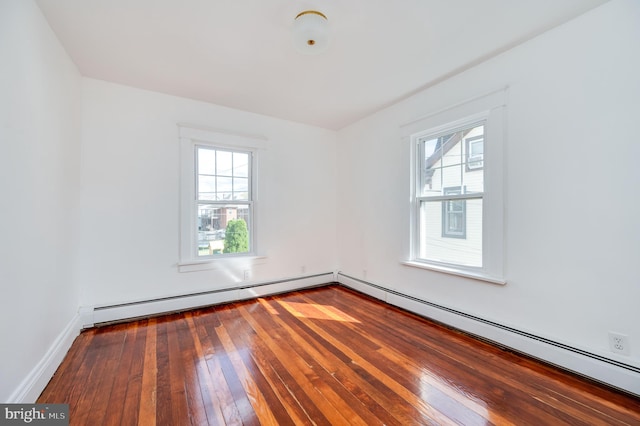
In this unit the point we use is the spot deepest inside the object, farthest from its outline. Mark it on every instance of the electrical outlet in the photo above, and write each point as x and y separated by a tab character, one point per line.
303	269
246	275
619	343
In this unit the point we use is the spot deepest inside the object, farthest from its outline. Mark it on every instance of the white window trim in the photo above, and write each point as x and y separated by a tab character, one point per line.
190	138
490	108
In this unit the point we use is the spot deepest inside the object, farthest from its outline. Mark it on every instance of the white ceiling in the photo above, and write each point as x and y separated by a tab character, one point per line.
238	53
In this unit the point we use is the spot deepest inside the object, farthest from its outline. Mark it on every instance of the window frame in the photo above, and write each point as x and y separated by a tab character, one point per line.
491	108
191	138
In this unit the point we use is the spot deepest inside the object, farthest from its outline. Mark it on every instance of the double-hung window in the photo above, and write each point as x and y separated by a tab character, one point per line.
456	216
224	200
217	195
449	198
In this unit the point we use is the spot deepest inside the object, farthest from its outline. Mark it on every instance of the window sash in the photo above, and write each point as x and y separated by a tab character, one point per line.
459	251
218	176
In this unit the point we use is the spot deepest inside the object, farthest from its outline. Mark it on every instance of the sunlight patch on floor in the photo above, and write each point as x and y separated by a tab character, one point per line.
316	311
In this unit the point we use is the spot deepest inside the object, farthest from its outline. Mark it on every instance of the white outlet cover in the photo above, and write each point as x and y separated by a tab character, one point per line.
619	343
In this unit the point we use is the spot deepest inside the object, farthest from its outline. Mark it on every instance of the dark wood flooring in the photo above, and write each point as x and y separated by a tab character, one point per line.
316	357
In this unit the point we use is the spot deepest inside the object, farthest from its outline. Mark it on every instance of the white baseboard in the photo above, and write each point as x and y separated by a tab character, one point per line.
102	314
32	386
611	371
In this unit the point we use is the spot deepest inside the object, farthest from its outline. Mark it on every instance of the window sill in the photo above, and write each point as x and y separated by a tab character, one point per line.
212	264
458	272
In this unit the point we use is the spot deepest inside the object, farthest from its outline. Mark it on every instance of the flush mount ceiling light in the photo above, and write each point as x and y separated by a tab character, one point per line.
310	32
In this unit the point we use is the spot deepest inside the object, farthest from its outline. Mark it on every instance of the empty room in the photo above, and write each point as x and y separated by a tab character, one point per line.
320	212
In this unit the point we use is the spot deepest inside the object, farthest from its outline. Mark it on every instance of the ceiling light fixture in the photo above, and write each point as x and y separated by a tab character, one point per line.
310	32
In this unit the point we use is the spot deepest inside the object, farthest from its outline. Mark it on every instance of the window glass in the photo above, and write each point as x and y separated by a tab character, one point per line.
223	201
450	197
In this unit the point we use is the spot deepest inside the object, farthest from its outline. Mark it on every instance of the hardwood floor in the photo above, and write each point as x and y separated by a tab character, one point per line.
321	356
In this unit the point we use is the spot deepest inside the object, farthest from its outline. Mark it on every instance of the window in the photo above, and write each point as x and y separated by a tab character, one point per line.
475	153
449	198
224	201
457	190
217	196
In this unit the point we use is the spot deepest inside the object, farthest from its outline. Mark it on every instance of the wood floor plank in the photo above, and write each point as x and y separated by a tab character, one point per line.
116	400
193	390
316	357
163	401
148	385
134	392
222	395
108	347
207	389
238	394
248	377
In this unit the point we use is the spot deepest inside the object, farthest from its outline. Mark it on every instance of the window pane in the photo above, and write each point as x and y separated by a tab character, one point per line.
240	164
223	163
452	175
240	189
225	184
436	217
206	188
206	161
223	229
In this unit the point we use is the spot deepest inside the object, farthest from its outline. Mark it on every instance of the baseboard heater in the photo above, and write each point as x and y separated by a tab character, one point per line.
598	367
106	314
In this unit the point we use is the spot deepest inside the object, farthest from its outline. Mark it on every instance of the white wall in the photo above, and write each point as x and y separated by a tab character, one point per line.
129	230
39	183
572	178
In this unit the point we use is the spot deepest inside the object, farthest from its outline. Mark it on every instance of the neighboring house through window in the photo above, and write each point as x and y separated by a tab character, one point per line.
449	198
